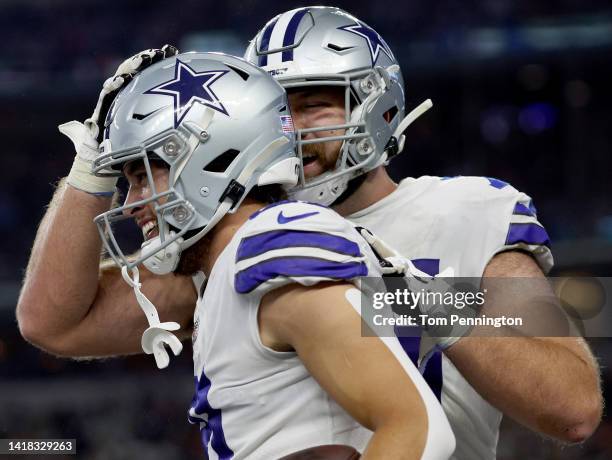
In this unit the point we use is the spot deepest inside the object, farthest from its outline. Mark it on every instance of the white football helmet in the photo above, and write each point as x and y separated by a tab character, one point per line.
325	46
221	125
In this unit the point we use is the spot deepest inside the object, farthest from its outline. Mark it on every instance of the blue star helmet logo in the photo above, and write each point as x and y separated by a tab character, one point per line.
375	42
188	87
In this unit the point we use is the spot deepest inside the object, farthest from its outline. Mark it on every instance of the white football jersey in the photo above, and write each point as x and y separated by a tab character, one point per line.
458	222
251	401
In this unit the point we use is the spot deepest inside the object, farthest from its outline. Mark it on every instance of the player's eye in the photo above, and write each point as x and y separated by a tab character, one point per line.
141	176
315	104
137	177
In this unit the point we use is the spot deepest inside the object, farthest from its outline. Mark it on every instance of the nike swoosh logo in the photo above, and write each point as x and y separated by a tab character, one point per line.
141	116
338	47
285	219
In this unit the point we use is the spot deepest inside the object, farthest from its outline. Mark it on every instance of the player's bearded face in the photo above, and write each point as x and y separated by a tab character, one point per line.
314	108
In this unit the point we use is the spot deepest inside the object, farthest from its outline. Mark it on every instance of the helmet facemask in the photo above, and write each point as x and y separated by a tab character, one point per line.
174	214
366	103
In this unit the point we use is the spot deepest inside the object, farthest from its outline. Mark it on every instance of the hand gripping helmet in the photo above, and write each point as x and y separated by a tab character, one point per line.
221	125
325	46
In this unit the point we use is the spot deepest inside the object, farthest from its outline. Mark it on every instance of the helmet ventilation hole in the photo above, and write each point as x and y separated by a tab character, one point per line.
222	162
244	75
389	115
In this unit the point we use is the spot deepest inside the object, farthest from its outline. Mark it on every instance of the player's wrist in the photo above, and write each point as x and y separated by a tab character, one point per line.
81	175
81	178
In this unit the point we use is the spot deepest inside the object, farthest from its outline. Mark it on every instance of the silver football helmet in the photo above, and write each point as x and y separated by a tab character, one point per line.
326	46
221	125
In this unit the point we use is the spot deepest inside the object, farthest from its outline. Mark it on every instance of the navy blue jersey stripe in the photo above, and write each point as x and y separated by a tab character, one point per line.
265	42
522	210
532	234
289	37
433	374
429	266
532	208
497	183
213	430
278	239
249	279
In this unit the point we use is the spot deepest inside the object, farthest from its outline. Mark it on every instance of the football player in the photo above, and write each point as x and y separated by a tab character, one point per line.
347	99
204	141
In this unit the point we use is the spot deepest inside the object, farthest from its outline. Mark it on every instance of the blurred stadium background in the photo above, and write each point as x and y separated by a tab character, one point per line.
521	91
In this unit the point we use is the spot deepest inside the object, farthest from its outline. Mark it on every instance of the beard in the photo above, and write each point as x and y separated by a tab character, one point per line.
192	258
318	149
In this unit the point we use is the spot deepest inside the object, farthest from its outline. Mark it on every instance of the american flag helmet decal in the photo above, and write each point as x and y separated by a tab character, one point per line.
287	123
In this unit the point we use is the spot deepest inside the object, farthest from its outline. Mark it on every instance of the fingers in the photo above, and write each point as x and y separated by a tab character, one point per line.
169	51
123	76
153	55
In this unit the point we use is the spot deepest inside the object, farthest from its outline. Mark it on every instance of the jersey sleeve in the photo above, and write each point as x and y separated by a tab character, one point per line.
487	216
526	233
297	242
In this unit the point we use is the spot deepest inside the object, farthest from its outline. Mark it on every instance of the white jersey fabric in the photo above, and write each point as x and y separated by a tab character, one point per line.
251	401
458	222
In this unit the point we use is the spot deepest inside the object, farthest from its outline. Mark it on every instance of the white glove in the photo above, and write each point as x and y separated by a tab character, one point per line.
87	136
394	264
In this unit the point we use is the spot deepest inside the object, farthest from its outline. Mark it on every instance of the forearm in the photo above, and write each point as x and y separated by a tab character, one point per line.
394	440
62	275
551	385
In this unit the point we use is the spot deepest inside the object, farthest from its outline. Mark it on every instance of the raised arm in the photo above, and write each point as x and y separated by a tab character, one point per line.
363	374
550	384
69	305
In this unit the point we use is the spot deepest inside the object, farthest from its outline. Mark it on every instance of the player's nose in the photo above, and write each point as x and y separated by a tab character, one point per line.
133	207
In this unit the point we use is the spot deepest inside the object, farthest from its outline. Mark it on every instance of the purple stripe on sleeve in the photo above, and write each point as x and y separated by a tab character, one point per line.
531	234
522	210
279	239
289	37
532	208
499	184
249	279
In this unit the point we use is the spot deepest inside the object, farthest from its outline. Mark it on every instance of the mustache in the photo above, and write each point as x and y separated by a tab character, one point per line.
317	149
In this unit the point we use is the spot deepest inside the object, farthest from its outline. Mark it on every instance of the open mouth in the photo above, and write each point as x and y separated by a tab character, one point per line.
308	159
150	230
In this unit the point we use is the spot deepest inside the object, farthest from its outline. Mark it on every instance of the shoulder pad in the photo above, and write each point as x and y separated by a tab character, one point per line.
297	242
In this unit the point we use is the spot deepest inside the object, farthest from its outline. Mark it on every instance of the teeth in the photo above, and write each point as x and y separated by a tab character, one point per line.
148	228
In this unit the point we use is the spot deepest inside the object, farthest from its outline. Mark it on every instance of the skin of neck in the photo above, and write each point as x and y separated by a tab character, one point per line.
374	188
220	236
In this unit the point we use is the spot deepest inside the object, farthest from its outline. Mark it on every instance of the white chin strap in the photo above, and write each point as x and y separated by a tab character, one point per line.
164	260
410	118
325	193
157	334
